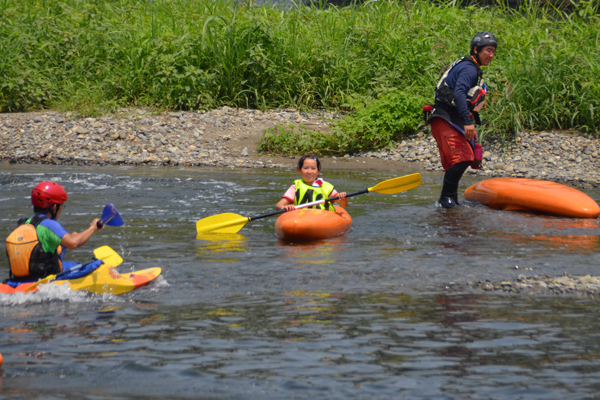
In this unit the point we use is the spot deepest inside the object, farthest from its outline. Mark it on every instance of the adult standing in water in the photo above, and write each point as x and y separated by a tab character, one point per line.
459	96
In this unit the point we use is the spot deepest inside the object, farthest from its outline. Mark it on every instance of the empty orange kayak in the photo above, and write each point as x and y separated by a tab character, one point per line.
310	224
535	196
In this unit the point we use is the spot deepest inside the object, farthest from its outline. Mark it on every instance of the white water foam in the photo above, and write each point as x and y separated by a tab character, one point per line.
52	292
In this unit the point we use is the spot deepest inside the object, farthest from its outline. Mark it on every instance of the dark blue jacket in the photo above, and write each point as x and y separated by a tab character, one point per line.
462	78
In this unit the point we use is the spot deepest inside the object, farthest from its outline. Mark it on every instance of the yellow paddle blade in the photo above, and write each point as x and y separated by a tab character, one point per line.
221	223
397	185
108	255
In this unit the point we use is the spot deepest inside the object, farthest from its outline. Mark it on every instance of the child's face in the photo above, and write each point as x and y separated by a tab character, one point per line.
309	171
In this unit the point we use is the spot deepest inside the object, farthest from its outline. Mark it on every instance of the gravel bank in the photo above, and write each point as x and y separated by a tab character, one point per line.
228	137
554	156
566	284
224	137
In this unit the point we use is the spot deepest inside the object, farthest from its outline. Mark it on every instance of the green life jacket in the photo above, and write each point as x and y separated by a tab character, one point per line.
307	194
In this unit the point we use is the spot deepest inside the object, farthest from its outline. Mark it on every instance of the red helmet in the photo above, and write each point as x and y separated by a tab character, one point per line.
45	194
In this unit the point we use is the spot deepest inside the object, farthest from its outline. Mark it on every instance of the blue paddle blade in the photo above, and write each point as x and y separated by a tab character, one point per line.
111	217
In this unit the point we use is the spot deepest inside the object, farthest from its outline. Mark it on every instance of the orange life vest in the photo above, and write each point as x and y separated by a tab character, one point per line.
26	256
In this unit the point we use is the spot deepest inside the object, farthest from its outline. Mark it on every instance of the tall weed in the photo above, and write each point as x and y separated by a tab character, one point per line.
97	55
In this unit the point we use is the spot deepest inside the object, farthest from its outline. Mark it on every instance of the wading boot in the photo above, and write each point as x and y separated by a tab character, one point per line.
446	202
455	198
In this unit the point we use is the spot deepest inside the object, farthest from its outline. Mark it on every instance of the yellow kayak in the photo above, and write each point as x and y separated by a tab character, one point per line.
104	279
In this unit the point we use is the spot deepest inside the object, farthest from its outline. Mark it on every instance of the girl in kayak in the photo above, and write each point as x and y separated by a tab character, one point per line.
310	188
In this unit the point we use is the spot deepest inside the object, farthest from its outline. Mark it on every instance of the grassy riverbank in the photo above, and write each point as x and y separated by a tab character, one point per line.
94	56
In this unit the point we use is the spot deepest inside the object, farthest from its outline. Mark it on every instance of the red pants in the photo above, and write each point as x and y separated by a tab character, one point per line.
453	146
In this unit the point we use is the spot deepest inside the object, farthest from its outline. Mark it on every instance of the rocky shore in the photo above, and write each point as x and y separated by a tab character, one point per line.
220	138
228	137
555	156
567	284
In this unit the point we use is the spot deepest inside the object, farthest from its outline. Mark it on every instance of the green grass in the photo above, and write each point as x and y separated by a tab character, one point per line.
96	56
375	123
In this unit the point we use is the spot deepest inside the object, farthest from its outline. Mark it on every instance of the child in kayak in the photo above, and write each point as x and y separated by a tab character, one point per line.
310	188
34	249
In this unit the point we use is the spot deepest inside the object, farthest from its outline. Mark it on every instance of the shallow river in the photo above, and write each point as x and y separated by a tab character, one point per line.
371	314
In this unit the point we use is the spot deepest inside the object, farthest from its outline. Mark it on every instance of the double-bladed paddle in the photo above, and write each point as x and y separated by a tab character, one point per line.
232	223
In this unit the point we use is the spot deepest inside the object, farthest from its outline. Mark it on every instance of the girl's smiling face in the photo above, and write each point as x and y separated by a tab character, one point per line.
309	171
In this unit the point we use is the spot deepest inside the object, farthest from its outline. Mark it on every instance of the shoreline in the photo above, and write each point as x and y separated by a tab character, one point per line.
228	137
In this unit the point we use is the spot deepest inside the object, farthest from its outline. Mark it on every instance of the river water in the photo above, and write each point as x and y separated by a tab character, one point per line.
372	314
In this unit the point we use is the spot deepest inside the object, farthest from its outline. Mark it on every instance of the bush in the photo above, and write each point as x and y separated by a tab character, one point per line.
288	141
378	123
375	123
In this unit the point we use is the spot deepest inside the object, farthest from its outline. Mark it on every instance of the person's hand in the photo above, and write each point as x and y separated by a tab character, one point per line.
342	195
94	225
289	207
470	132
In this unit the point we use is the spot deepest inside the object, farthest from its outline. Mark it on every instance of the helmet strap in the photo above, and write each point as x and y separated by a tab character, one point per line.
476	59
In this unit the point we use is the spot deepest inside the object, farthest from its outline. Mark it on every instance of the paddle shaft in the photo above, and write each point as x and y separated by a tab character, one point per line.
312	203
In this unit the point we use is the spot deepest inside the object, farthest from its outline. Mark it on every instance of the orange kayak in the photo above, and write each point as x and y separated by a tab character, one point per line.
535	196
310	224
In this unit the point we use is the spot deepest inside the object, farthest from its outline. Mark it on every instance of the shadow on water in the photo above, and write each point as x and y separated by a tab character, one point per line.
248	316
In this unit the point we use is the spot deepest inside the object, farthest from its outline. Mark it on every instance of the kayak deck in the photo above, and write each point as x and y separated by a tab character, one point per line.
107	279
312	224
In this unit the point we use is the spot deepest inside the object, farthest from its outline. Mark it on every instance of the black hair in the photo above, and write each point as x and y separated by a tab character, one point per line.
309	156
40	210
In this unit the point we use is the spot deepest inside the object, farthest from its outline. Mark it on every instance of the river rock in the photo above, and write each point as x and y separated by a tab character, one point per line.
590	149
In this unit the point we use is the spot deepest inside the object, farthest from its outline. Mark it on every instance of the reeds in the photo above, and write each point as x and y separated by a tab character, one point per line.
93	56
